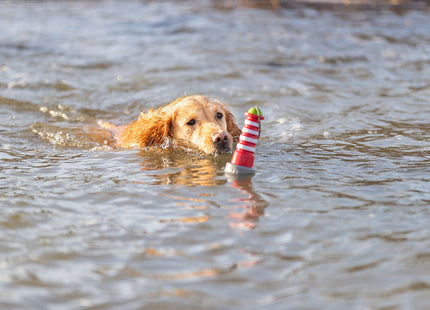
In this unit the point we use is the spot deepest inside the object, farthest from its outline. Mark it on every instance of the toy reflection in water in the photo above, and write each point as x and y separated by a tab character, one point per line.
252	207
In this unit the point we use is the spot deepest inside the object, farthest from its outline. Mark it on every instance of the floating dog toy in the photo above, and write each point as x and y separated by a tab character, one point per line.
243	158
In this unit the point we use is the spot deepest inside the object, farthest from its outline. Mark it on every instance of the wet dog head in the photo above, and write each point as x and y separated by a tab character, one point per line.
193	121
203	124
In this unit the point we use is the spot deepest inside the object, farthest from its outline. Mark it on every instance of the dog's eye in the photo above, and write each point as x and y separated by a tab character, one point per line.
219	115
191	122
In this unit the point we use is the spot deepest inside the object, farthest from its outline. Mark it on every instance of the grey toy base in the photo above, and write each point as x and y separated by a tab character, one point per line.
238	170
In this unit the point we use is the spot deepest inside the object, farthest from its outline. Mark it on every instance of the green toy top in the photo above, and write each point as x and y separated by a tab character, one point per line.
255	111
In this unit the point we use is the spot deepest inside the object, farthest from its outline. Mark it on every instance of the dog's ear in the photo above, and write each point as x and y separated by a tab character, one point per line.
155	129
232	126
152	128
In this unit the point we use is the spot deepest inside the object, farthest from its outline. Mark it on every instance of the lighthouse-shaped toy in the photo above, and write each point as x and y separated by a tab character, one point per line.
243	158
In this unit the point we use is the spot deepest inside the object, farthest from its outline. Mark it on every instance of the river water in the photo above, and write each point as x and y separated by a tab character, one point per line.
336	217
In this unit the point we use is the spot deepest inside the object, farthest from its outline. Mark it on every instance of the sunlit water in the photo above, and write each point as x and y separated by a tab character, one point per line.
336	217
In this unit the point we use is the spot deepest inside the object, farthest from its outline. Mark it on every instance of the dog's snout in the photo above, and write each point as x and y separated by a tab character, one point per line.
221	142
220	138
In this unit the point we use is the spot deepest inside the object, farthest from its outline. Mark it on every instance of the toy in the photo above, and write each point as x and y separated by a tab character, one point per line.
243	158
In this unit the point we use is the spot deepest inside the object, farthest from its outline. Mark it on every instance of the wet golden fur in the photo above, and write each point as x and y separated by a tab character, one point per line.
192	121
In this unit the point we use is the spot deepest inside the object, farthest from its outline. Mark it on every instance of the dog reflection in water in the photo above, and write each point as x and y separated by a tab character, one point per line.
183	168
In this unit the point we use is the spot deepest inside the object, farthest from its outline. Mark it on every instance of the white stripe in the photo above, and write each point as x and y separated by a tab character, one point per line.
252	132
248	122
248	139
245	147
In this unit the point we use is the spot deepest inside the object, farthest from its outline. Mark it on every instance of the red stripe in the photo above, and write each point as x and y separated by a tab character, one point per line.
247	143
252	127
249	135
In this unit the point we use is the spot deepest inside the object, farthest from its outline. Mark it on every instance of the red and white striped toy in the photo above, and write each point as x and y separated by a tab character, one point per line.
243	158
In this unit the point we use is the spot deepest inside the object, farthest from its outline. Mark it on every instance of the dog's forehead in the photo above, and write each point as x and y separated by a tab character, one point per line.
198	106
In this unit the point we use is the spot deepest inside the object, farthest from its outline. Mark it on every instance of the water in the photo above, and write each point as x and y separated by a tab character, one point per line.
336	216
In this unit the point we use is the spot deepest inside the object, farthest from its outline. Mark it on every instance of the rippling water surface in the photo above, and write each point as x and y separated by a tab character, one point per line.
336	217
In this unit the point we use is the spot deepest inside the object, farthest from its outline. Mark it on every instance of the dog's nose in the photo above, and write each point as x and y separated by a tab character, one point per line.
220	138
221	142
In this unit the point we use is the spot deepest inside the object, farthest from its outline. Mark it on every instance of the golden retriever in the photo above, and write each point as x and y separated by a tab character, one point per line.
193	122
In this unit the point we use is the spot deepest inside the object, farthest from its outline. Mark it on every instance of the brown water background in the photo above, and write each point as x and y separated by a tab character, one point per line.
336	217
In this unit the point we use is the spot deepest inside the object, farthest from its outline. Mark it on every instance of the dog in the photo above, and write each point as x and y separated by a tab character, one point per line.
195	122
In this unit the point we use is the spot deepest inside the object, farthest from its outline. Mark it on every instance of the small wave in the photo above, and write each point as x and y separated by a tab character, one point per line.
15	79
56	85
64	112
343	59
289	128
73	137
18	105
88	65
